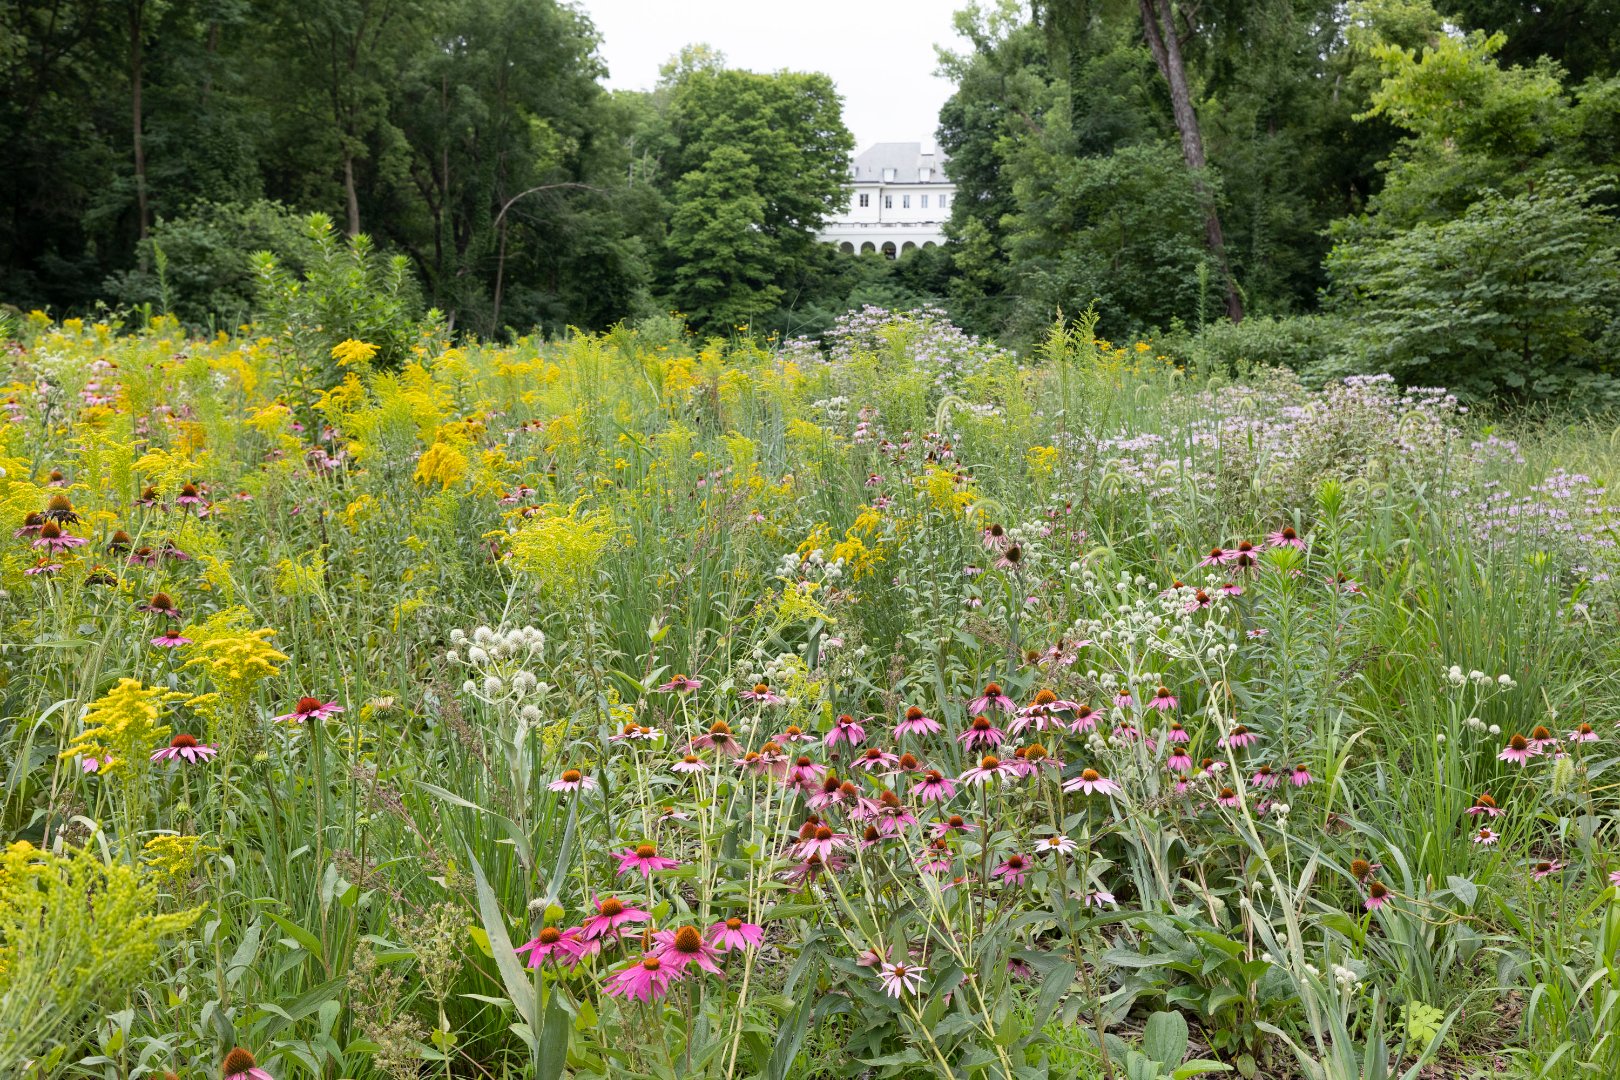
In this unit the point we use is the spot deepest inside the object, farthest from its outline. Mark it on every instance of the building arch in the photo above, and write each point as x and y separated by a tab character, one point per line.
908	247
888	249
847	248
928	243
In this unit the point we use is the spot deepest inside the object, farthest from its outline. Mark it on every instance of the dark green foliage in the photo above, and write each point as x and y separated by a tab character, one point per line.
1517	293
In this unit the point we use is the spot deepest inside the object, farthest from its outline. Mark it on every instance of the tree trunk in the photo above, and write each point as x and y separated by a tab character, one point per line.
1159	26
136	66
349	191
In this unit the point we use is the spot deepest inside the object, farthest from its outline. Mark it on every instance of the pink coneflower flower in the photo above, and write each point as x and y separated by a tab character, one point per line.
160	604
1484	805
680	684
1045	711
189	496
171	639
794	735
804	773
847	729
611	913
1014	869
892	815
240	1065
311	708
1126	732
719	737
685	946
1097	898
59	508
1179	761
981	732
1614	878
1543	870
822	842
1486	835
572	780
1541	739
989	769
874	758
1123	700
1163	700
733	933
900	979
1199	599
52	539
1177	733
995	538
1216	557
90	765
1238	738
648	979
814	867
832	792
1056	845
1231	588
1286	537
761	693
143	556
1300	777
31	525
1345	584
934	787
644	858
1583	733
1227	798
956	823
915	723
1264	777
1377	895
1518	750
1011	557
565	944
186	748
992	698
1092	782
688	764
1085	718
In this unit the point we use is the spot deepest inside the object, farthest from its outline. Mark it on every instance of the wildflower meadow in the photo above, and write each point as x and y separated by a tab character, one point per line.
622	704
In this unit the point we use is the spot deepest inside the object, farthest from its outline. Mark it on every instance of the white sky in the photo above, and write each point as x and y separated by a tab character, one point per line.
879	52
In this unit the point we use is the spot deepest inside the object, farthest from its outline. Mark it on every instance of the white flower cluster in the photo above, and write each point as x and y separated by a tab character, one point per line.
498	663
812	567
1455	676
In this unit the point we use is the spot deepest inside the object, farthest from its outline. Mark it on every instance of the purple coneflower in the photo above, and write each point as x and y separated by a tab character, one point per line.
1377	896
821	842
185	747
239	1065
171	639
1227	798
189	496
52	539
1541	739
992	698
981	732
572	780
1085	718
1216	557
311	708
1177	733
553	941
648	979
1093	782
1286	537
719	737
1238	738
685	946
899	979
1518	750
874	758
611	913
847	729
1486	835
1056	845
1543	870
1583	733
1300	777
160	604
1264	777
995	538
60	510
761	693
734	933
681	684
1097	898
1484	805
645	859
1198	600
31	525
1179	761
915	723
1014	869
934	787
1163	700
989	769
794	735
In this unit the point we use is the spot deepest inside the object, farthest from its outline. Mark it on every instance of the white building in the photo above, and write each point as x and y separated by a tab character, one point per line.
899	201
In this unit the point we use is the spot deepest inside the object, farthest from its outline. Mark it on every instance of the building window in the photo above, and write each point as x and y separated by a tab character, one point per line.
942	203
905	202
865	199
925	174
888	202
925	202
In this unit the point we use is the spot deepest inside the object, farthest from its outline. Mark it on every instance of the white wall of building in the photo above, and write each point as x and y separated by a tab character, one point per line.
899	200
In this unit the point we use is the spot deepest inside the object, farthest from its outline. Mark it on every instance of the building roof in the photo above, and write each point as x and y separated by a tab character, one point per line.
907	159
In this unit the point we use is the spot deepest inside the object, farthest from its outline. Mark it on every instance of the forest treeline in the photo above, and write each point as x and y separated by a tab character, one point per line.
1407	185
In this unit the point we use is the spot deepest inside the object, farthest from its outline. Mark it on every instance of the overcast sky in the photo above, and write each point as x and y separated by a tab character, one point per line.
879	52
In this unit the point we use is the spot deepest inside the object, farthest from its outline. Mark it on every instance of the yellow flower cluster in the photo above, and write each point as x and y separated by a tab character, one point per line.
121	727
352	353
561	548
238	662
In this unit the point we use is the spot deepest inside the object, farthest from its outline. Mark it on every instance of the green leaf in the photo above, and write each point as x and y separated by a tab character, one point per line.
554	1038
788	1038
309	941
1164	1039
517	985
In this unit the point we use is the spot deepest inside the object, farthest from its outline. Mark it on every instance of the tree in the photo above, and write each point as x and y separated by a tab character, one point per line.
726	265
